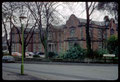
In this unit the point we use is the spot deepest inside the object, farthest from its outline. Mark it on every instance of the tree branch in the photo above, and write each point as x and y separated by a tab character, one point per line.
93	8
90	5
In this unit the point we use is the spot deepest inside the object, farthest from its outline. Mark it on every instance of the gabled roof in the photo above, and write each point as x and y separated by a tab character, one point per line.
84	21
59	27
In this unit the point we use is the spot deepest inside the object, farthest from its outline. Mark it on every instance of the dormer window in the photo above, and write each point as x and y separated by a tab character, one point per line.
106	24
106	19
72	32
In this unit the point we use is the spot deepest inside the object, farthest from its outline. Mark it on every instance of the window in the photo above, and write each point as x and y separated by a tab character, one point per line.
106	34
111	31
40	47
13	47
34	47
17	38
107	24
17	47
27	49
116	27
91	32
99	34
60	47
71	44
59	36
39	40
50	36
33	37
13	38
81	32
55	46
81	43
99	45
72	32
51	47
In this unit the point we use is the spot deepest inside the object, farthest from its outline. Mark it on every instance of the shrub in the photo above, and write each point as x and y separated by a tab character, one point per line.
116	51
75	52
99	53
51	54
5	53
112	44
61	54
36	56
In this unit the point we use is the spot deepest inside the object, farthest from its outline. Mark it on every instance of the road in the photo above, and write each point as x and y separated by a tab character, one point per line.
66	72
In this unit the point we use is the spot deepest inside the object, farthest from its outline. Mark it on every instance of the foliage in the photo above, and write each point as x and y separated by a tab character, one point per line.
99	53
5	53
112	44
61	54
51	54
36	56
75	52
111	7
116	51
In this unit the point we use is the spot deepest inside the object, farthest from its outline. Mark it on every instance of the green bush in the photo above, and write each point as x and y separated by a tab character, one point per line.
116	51
61	54
99	53
5	53
51	54
112	45
36	56
75	52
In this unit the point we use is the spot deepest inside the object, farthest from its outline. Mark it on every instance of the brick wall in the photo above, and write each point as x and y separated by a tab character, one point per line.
62	35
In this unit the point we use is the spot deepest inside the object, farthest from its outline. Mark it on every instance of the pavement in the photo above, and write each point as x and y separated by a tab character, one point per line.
67	63
8	75
61	71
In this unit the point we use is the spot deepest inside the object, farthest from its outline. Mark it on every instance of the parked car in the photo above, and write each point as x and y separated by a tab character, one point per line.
35	53
41	54
5	51
29	54
8	59
16	54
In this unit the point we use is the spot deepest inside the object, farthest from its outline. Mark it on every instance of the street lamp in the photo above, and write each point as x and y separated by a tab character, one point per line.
22	66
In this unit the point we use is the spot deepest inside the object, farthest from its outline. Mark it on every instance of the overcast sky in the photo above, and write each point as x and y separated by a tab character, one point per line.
78	9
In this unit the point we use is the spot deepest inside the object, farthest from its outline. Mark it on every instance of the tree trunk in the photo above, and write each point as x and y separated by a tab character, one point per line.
45	49
9	48
88	40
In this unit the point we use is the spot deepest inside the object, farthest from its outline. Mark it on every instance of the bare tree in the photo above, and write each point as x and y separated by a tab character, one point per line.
12	13
28	33
43	13
111	7
89	10
7	17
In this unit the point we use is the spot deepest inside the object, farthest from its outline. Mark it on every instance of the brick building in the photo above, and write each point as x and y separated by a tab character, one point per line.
61	38
4	43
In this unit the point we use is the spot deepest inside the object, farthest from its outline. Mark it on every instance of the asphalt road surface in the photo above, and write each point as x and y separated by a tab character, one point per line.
66	72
